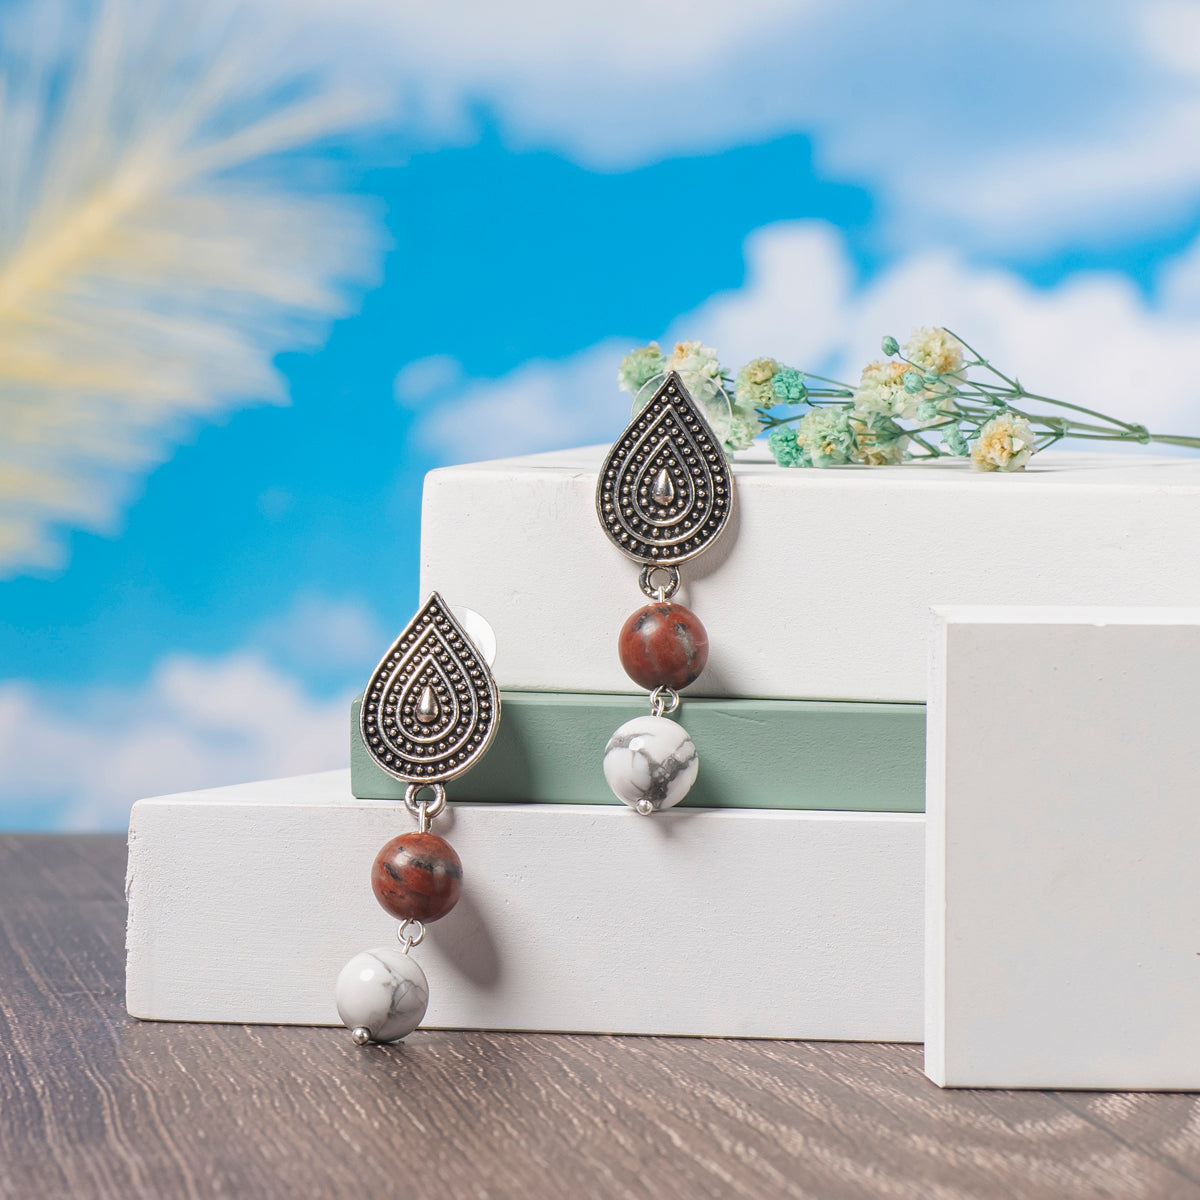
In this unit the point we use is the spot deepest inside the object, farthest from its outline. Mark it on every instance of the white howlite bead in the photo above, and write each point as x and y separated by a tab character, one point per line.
384	992
650	760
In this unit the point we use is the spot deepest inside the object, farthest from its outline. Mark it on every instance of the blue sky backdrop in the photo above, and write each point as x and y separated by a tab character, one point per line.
532	190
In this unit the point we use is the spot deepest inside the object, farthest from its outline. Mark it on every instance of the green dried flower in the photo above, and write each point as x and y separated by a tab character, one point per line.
753	385
788	386
639	366
752	391
955	441
784	448
913	383
828	437
890	346
744	427
748	395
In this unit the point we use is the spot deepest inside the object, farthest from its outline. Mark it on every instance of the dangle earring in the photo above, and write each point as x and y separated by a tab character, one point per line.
664	495
428	714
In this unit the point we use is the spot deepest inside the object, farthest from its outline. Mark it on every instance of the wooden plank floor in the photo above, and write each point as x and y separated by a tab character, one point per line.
93	1103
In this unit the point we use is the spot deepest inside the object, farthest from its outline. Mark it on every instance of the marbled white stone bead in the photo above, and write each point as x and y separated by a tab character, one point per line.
652	760
384	992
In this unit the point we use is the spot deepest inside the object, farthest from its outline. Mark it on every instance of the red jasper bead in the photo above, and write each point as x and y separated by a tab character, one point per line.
417	877
663	645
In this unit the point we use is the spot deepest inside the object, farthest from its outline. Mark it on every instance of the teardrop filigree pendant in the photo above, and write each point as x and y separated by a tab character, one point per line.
431	707
665	492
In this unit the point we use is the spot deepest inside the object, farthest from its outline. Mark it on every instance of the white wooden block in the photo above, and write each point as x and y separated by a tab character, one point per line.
845	563
1063	902
245	902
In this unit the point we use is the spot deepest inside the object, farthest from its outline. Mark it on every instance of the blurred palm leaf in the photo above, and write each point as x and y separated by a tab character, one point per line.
160	242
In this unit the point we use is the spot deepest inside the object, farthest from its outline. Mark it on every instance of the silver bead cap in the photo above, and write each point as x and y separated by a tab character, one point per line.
431	707
665	491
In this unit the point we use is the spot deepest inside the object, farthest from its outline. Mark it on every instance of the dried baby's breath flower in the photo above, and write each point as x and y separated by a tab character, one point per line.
827	437
935	351
955	442
753	385
1005	443
788	386
883	390
639	366
786	449
694	358
878	441
953	404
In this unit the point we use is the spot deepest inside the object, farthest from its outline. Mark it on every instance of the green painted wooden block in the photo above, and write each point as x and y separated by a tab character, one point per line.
753	753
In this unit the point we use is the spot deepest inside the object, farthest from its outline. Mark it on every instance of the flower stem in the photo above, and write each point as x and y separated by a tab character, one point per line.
1173	439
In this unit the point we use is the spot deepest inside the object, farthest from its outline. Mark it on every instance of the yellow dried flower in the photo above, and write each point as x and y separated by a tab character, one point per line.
759	370
694	358
934	350
1005	443
881	390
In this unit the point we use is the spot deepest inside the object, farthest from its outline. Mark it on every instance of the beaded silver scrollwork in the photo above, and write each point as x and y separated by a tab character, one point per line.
431	706
665	492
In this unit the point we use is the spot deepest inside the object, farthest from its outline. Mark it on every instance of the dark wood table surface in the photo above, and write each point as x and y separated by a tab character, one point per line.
94	1103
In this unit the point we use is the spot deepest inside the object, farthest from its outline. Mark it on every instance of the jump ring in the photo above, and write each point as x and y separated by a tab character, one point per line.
407	938
425	810
663	592
663	700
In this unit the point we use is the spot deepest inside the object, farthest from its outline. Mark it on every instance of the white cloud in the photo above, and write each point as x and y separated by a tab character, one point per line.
798	283
321	633
1023	125
425	378
542	405
86	756
1066	173
474	43
1093	339
1179	282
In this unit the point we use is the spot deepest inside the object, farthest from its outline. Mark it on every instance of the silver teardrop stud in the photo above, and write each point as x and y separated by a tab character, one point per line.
427	706
665	491
431	707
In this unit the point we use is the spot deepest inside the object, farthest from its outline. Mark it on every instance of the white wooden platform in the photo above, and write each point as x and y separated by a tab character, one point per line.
244	902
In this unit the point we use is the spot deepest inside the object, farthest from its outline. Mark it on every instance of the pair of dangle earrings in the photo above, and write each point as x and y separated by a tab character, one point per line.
431	708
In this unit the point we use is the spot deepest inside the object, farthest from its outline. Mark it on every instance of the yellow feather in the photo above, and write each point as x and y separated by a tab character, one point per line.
156	248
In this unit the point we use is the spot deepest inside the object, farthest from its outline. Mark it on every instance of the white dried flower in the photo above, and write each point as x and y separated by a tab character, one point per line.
1005	443
934	350
882	390
694	358
700	371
